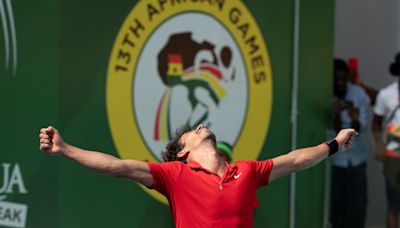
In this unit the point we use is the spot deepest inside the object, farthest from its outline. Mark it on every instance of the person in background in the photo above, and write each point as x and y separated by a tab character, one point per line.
355	79
386	128
349	180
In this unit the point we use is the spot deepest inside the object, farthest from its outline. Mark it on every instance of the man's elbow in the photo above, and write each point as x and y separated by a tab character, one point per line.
118	168
303	162
298	165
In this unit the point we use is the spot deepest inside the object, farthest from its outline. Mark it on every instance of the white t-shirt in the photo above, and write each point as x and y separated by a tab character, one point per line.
387	106
387	100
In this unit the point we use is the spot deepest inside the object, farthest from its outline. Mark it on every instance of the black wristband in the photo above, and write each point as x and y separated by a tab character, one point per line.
333	147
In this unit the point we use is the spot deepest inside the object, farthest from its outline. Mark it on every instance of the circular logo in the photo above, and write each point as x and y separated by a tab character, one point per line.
187	63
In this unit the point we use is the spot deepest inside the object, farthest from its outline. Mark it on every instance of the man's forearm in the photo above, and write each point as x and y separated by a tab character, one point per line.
310	156
298	160
52	143
304	158
100	162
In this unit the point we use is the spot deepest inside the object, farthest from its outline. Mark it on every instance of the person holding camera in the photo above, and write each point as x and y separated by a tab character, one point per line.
349	180
386	128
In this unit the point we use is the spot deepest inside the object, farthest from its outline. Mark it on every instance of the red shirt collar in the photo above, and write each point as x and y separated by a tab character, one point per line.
196	166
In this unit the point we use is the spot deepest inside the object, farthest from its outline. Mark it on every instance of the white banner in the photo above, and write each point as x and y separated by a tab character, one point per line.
13	214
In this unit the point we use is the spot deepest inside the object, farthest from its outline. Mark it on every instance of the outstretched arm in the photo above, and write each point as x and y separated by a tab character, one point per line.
52	143
307	157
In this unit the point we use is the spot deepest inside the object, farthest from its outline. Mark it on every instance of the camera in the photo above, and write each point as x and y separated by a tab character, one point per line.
346	104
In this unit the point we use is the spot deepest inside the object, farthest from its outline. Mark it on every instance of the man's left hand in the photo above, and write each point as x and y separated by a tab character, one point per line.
345	138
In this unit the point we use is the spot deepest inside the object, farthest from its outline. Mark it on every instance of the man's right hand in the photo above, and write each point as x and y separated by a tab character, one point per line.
51	141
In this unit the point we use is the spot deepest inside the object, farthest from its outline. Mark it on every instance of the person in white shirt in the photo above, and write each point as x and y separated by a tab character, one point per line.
386	128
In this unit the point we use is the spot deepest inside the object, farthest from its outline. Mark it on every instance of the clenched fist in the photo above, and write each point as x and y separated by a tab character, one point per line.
345	137
51	141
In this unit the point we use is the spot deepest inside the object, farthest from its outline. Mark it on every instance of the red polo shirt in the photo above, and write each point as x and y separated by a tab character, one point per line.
200	198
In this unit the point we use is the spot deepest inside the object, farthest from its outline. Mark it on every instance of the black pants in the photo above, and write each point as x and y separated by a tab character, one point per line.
349	196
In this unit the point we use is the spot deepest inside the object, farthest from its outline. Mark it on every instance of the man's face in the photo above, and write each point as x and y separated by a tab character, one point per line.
340	83
196	137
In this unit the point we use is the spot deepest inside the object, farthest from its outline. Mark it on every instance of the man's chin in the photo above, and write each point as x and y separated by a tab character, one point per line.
211	137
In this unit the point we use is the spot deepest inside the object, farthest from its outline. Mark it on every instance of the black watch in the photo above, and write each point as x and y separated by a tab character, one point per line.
333	146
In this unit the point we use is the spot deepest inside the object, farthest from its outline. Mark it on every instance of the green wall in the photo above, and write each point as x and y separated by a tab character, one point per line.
63	53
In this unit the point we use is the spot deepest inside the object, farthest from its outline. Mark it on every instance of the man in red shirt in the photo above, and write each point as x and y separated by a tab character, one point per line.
202	189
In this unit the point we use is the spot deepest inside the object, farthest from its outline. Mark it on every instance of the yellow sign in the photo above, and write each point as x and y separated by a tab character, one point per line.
188	62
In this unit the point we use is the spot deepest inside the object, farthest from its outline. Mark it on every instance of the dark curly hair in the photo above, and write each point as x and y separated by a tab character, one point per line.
340	65
174	145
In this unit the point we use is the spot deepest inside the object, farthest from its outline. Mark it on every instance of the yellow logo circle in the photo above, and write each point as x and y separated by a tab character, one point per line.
188	62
